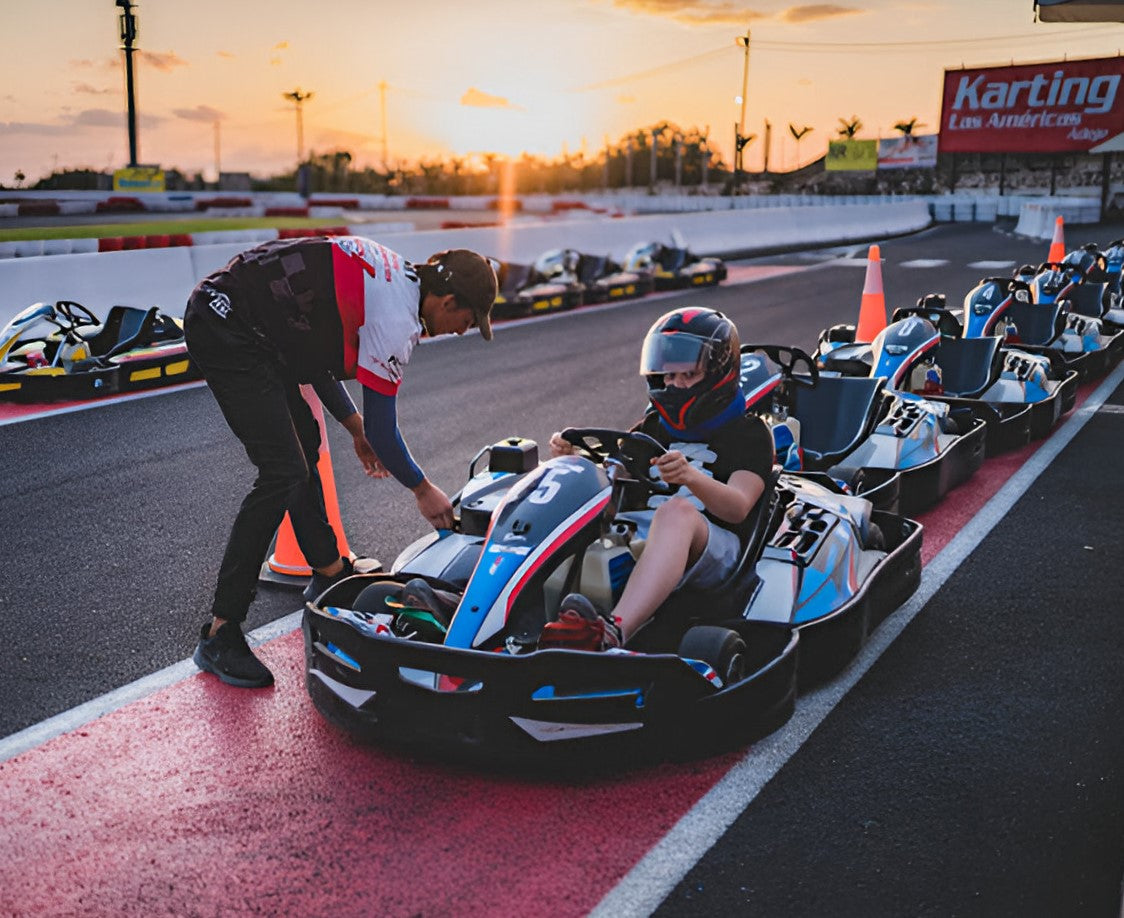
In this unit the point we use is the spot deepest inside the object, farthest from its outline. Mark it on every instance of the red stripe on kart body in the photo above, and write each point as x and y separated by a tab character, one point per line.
205	799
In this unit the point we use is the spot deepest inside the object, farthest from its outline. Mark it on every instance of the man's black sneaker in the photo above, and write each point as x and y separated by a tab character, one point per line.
229	657
318	583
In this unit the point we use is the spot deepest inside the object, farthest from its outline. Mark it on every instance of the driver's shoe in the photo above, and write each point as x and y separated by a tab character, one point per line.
580	627
418	594
228	656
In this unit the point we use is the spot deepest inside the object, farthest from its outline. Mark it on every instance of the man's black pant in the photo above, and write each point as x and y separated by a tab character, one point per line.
264	408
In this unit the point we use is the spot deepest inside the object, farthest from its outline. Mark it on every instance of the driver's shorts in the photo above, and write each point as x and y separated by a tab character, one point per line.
716	563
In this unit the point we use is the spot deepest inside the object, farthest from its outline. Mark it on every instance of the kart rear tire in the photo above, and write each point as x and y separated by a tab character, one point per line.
722	648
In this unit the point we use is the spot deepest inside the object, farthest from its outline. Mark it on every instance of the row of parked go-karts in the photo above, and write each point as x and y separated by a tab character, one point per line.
867	435
566	278
62	351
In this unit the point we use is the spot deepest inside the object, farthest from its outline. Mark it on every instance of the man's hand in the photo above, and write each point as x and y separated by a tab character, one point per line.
434	505
370	461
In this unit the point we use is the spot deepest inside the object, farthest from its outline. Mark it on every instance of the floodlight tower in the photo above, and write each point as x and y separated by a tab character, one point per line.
128	37
298	99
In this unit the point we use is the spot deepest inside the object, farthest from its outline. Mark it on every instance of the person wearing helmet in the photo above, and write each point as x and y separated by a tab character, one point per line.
316	310
717	454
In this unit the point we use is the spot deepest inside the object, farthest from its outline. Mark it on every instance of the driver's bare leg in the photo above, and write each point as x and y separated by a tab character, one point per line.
676	540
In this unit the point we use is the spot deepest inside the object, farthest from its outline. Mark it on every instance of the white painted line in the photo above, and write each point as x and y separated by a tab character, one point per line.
925	263
37	734
104	403
644	887
991	265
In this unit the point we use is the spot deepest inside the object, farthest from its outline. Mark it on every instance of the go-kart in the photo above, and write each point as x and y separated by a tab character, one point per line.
712	670
549	285
1035	309
1029	391
53	351
1096	293
604	280
899	451
674	267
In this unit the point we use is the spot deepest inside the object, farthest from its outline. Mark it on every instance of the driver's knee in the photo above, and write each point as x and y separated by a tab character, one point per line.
676	515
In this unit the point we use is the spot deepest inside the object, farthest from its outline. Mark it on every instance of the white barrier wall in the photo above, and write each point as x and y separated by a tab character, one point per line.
165	277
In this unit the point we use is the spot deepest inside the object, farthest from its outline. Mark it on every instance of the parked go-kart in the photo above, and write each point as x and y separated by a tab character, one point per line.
675	266
899	451
1040	304
549	285
53	351
711	671
1030	391
604	280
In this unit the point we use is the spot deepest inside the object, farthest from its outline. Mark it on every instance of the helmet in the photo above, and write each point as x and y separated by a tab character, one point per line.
687	340
932	301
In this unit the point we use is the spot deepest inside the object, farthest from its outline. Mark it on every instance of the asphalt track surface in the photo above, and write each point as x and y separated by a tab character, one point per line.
972	765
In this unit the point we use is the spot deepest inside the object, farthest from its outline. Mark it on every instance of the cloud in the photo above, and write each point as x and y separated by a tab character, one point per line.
87	89
199	113
474	98
98	117
816	12
281	46
30	127
226	55
623	99
706	12
164	61
725	12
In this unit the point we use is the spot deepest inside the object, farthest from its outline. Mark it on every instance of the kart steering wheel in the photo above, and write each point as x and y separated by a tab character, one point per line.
76	314
787	358
632	449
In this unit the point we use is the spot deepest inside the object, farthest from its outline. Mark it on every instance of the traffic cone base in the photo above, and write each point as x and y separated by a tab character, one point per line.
286	565
1057	246
872	311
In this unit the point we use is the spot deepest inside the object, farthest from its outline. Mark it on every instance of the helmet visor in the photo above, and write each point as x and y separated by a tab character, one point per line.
674	353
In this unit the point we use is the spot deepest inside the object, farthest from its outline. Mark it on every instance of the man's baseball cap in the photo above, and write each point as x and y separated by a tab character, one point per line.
472	280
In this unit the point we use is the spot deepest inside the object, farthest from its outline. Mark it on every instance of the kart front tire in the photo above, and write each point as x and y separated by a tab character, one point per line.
722	648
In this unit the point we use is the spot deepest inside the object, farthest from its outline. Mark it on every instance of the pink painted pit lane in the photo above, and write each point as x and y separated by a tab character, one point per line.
207	800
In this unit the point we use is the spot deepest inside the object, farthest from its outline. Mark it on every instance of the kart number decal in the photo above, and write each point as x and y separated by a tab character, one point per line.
548	485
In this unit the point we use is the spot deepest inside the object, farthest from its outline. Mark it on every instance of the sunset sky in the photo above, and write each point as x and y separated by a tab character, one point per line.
494	75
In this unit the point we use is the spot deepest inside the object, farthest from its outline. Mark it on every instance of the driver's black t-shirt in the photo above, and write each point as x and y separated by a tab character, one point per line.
744	443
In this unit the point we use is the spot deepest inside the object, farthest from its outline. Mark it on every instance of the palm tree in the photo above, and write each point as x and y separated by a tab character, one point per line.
908	127
797	134
848	129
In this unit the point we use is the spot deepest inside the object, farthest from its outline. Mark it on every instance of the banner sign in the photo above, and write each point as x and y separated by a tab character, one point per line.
139	178
851	155
908	152
1068	106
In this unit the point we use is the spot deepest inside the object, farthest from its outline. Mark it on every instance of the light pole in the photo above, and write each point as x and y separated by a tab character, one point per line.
298	99
382	109
740	140
128	37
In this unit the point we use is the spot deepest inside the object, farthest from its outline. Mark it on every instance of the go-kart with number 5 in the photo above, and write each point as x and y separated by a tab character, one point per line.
714	669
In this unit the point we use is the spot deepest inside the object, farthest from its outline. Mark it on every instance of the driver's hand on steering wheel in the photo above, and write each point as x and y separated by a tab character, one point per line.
560	447
674	468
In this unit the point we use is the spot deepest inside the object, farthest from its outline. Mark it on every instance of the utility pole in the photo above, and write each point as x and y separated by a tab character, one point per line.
740	140
128	37
768	140
382	109
218	155
298	99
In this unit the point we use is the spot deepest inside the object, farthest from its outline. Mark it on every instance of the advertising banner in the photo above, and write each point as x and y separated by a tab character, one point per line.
851	156
908	152
1067	106
139	178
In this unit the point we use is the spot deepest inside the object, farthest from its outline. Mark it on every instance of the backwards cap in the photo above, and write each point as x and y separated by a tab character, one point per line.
472	280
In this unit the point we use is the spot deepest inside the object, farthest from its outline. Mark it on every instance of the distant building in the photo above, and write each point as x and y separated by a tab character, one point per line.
234	181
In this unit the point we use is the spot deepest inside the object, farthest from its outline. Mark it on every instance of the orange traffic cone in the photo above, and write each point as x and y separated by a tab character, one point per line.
872	312
1057	247
286	565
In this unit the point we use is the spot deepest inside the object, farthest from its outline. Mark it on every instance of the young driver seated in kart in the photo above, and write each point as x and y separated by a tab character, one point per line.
718	455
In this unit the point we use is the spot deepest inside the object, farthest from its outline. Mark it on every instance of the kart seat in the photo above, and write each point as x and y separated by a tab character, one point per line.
969	365
688	606
1087	299
836	415
515	278
591	267
125	327
1037	323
